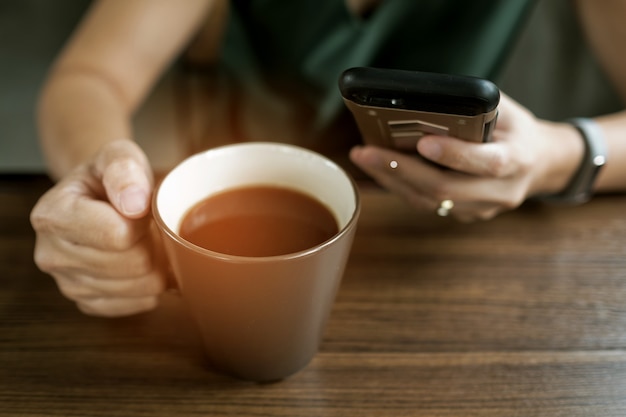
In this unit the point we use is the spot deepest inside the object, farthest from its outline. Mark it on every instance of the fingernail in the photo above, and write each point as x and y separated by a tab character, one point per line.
366	157
133	200
430	149
355	152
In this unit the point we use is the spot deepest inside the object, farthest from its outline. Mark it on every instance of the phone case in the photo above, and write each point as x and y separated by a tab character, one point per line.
395	108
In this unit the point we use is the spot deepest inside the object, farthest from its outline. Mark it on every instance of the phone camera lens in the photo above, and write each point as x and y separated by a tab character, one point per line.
361	98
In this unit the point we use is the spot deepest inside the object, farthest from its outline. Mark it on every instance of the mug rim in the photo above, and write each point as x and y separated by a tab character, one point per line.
161	224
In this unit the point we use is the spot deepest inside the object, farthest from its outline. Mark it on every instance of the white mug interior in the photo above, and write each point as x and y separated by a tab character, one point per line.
255	163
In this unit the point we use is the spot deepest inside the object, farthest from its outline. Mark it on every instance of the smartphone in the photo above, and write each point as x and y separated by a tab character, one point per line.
395	108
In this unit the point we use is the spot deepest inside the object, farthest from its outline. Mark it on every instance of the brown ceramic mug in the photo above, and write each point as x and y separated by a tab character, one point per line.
261	318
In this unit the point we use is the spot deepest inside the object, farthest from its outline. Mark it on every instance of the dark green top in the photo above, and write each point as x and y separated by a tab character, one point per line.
310	42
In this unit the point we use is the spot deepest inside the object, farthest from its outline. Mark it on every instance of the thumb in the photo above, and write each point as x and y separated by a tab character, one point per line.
127	178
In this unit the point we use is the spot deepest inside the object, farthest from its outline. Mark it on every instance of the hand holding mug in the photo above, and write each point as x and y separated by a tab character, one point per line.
94	235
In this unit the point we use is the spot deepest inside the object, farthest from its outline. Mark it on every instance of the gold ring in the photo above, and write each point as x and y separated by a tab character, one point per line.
444	208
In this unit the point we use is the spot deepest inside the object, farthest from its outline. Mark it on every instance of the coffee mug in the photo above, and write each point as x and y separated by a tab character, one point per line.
261	318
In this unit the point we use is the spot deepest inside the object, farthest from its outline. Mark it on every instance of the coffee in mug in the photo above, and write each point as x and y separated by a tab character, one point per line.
261	220
260	295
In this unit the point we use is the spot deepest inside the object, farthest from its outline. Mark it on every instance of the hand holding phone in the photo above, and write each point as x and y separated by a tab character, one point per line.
395	108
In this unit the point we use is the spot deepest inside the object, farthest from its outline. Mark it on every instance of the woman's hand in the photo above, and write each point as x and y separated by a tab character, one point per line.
94	234
526	157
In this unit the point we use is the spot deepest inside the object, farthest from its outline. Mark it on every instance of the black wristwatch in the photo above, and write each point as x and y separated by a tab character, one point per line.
580	188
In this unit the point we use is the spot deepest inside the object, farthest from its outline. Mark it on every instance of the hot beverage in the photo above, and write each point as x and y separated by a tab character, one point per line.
258	221
277	222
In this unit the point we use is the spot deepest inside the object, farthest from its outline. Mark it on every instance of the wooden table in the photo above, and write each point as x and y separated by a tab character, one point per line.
524	315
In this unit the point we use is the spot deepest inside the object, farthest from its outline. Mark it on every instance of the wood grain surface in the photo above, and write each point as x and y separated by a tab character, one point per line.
524	315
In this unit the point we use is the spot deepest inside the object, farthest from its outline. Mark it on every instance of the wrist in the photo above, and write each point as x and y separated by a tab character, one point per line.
76	116
558	159
580	185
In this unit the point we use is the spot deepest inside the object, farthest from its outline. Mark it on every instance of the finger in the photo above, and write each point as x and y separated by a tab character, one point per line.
388	169
468	212
55	255
71	212
117	307
127	178
80	287
486	193
393	170
479	159
425	186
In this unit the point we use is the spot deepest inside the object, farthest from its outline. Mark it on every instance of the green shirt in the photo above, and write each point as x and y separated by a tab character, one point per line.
310	42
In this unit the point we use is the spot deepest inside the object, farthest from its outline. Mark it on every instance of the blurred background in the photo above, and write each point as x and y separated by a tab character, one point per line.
31	33
551	72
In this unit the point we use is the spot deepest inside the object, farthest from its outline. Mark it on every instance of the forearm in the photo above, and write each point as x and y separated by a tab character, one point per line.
78	113
603	24
106	70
